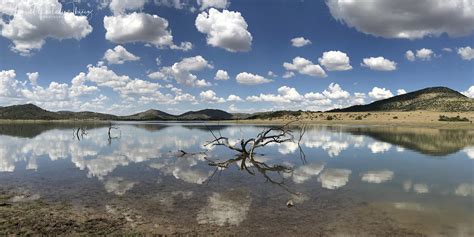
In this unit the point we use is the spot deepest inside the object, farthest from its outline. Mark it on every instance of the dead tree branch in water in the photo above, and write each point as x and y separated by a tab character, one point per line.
246	149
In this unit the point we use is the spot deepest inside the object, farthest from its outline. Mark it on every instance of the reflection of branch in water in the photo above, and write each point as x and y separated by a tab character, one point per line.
247	151
79	133
261	167
109	133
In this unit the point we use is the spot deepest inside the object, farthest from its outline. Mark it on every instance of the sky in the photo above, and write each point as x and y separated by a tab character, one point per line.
127	56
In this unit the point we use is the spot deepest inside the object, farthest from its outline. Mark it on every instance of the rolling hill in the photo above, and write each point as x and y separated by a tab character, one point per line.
33	112
27	112
151	114
440	99
206	114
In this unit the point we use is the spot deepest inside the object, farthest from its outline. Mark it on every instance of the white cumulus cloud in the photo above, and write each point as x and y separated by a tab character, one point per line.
466	53
226	29
221	75
119	55
335	91
424	54
303	66
181	72
31	22
141	27
380	93
410	55
379	64
300	42
234	98
251	79
210	97
335	61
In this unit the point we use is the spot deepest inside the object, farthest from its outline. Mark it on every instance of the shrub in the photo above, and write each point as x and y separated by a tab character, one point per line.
329	117
358	118
452	119
395	117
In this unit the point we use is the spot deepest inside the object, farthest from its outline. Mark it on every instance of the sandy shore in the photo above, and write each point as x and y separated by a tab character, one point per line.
412	119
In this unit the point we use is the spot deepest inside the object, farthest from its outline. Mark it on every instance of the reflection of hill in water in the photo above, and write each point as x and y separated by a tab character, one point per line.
150	127
31	130
430	141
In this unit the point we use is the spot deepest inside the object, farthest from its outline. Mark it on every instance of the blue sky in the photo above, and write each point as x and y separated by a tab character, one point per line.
255	41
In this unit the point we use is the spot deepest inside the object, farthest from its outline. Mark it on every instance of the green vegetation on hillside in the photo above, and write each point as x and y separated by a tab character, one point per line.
440	99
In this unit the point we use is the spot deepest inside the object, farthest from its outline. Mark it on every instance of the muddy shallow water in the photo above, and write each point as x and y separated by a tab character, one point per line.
363	181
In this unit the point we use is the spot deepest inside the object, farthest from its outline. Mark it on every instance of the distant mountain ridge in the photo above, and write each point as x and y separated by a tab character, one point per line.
439	99
33	112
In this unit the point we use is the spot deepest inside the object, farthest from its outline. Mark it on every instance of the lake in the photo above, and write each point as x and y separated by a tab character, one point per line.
345	180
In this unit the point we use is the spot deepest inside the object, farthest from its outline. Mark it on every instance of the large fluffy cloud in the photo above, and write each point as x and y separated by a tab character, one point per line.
379	64
466	53
181	71
221	75
226	29
119	55
251	79
138	27
335	61
335	91
424	54
303	66
141	27
406	18
211	97
380	93
31	22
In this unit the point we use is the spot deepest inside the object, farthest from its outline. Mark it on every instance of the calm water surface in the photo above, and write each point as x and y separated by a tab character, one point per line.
355	180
